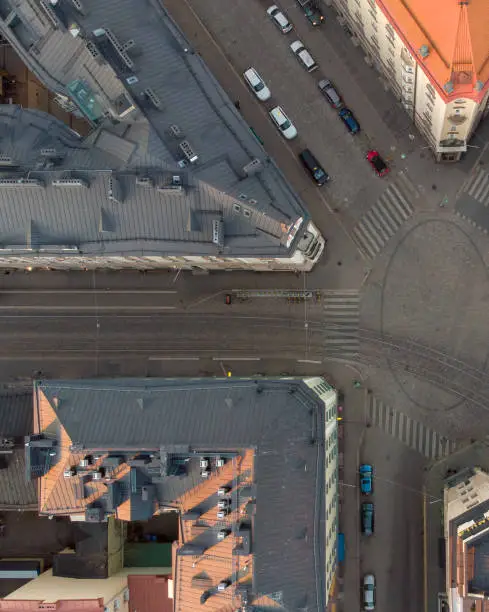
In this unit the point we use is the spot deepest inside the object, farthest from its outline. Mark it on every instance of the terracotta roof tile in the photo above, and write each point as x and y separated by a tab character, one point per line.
149	594
455	34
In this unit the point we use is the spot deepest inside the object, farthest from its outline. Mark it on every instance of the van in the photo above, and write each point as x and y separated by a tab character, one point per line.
303	55
311	164
283	123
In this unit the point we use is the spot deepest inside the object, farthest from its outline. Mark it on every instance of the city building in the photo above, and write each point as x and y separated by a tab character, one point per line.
170	176
434	56
250	466
16	493
123	592
98	575
466	516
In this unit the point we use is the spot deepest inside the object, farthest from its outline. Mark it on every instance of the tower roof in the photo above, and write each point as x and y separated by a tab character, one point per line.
455	34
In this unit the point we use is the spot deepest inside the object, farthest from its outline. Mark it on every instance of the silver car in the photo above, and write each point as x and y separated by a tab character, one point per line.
279	19
369	592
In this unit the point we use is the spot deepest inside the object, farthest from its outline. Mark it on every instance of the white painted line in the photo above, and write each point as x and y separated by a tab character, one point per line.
93	308
236	359
173	358
308	361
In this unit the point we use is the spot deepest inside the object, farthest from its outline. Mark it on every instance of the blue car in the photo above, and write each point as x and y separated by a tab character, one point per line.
349	120
366	479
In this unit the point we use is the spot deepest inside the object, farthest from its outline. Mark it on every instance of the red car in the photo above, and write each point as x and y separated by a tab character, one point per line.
377	163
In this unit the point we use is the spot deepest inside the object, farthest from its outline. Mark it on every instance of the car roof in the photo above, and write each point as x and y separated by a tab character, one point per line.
279	113
252	74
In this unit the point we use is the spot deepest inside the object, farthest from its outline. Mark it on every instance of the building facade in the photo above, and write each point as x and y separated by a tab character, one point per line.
438	68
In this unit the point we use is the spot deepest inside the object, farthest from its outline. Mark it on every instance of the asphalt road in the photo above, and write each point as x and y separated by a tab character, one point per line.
170	323
106	332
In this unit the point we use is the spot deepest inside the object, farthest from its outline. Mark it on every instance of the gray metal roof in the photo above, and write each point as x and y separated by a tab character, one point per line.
15	490
277	418
257	209
15	413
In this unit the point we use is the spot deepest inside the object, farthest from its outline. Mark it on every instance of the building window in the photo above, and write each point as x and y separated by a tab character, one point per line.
430	90
373	14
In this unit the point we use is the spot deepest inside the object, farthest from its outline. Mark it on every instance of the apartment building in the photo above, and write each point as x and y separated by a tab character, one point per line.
171	176
466	521
434	55
249	465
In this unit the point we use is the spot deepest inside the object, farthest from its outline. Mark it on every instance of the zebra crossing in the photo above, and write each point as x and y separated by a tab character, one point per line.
472	205
386	216
410	432
478	186
341	321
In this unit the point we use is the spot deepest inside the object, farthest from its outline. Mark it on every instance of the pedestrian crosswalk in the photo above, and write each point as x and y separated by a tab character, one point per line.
341	321
386	216
473	203
478	186
410	432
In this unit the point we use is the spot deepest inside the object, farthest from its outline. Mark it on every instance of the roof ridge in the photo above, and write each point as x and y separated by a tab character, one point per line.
462	67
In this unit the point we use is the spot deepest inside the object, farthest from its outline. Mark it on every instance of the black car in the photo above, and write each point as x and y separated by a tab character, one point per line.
311	12
367	518
330	93
314	168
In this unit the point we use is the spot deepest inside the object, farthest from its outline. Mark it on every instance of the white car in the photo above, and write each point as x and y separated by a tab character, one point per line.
279	19
283	123
369	592
257	84
303	55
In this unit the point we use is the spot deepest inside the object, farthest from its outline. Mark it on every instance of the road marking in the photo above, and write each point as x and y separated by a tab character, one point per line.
91	307
308	361
410	432
153	358
83	291
236	359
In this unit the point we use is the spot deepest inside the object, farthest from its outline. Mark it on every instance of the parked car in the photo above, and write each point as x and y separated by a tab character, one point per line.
257	84
311	164
283	123
311	12
349	120
280	19
369	592
330	93
366	479
377	163
303	55
367	518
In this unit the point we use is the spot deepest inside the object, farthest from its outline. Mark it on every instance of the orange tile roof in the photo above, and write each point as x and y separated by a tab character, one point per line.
218	562
149	594
58	494
456	34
